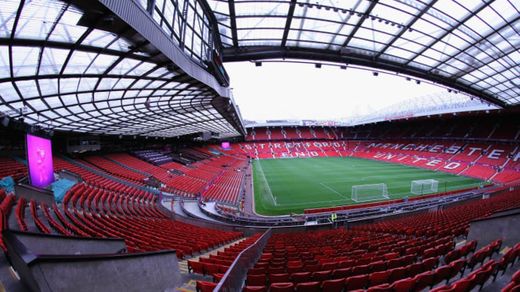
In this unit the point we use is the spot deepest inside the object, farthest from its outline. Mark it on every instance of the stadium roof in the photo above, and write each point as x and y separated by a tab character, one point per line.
144	67
472	46
75	66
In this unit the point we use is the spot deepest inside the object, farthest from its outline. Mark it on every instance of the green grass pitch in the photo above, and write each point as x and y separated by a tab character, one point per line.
283	186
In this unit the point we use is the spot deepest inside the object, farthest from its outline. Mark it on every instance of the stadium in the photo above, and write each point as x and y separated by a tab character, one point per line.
260	145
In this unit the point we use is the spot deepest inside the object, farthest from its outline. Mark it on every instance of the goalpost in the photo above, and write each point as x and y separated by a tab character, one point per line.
370	192
424	186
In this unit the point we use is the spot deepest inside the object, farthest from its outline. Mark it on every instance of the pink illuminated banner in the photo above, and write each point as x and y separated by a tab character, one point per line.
39	158
225	145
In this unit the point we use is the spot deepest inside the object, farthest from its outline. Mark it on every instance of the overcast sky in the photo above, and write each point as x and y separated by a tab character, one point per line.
301	91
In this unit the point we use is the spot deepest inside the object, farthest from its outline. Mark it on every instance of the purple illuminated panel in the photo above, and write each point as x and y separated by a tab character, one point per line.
39	158
225	145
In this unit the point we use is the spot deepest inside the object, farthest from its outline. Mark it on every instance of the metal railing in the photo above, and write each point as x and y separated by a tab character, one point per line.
235	276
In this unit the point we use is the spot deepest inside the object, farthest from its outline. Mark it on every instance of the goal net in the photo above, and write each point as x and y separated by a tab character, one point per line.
371	192
424	186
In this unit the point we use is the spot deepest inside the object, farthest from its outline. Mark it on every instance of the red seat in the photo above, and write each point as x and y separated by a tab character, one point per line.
381	288
255	280
468	248
335	285
346	264
360	270
484	273
452	255
195	267
279	278
478	257
254	289
516	277
312	268
391	255
443	273
282	287
321	275
458	266
308	287
378	278
295	268
404	285
445	288
394	263
429	253
415	269
329	266
430	263
257	271
217	277
356	282
465	284
276	270
203	286
378	266
341	273
511	287
210	269
301	277
398	274
423	280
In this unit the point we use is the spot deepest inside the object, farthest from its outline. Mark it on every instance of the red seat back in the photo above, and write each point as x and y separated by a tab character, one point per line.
335	285
282	287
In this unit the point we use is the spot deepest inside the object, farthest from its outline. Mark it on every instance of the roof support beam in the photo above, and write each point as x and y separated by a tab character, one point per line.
494	31
134	16
475	63
360	22
69	46
403	30
233	20
345	21
481	63
290	15
461	22
491	76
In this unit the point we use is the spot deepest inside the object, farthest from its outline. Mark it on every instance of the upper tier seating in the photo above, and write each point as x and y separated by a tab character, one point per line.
11	167
482	126
154	156
218	178
116	169
292	133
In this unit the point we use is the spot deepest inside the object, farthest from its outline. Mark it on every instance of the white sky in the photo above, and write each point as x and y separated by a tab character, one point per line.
301	91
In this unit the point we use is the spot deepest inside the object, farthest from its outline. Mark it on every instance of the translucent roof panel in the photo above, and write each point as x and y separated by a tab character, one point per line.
59	72
467	45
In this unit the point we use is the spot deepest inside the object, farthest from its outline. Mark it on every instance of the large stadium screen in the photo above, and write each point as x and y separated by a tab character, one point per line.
225	145
39	159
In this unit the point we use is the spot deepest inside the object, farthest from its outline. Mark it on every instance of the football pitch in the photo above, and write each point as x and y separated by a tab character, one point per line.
283	186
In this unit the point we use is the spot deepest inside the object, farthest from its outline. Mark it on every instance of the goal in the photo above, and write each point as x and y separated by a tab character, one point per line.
424	186
371	192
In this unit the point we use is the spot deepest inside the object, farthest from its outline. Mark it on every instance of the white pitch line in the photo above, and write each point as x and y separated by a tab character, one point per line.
284	205
324	185
264	180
